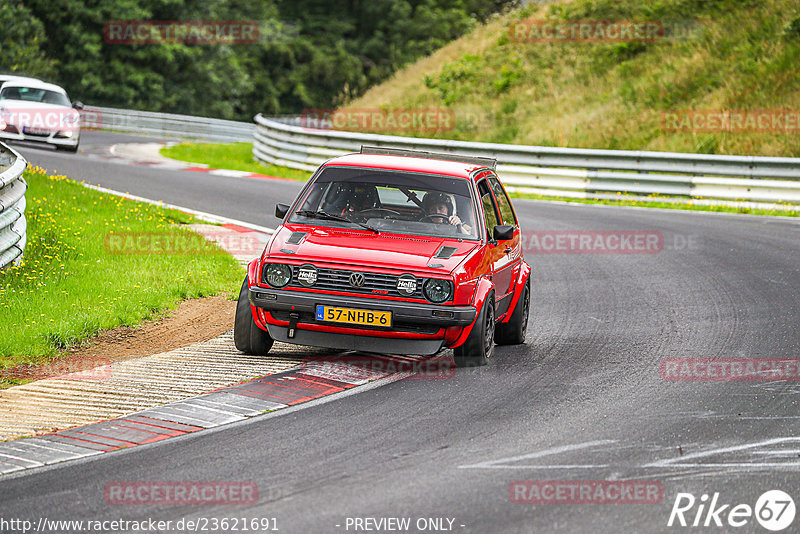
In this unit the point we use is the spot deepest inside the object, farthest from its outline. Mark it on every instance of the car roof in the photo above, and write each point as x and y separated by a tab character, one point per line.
409	164
14	77
34	84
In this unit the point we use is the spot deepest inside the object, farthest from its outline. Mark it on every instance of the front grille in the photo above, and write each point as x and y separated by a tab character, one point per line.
339	280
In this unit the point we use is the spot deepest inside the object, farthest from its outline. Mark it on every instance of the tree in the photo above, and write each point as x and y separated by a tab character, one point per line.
21	43
310	54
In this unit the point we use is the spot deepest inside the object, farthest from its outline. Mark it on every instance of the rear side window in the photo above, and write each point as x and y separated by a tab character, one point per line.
489	209
502	201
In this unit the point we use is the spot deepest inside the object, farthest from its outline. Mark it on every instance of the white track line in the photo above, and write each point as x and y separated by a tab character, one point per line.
495	464
208	217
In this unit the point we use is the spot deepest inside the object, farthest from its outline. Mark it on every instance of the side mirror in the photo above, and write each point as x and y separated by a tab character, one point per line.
503	232
281	210
77	105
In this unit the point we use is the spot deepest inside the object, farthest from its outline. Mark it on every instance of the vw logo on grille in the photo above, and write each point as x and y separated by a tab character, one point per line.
357	279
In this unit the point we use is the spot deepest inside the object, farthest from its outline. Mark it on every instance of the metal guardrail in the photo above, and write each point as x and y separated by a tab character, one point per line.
554	170
167	124
13	227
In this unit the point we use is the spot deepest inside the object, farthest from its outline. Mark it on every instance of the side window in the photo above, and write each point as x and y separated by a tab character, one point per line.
489	209
502	201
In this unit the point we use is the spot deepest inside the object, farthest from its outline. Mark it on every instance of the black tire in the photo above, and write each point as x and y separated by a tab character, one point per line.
67	148
513	332
479	346
247	336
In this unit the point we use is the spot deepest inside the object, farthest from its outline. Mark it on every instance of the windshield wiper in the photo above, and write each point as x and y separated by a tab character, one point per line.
331	217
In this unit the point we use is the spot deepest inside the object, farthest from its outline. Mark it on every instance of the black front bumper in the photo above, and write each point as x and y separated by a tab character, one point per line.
282	300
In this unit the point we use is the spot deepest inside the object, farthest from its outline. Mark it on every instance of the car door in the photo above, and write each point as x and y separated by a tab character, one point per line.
502	268
513	247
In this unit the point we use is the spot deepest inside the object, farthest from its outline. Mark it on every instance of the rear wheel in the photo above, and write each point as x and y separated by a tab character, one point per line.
479	346
513	332
247	336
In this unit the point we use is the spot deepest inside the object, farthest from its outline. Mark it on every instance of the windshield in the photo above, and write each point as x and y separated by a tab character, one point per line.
389	201
30	94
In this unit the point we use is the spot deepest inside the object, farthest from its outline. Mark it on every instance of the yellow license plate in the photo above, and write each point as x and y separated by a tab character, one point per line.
354	316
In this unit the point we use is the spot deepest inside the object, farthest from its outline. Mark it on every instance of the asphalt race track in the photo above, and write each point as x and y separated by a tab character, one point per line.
582	400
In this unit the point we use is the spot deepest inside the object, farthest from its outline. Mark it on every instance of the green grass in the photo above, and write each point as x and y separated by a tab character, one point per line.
71	286
234	156
738	55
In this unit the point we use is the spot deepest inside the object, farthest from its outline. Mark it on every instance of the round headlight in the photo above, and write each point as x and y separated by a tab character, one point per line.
277	274
437	290
307	275
406	284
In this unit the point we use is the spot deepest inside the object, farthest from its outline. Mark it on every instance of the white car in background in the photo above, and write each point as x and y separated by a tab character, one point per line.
10	77
32	110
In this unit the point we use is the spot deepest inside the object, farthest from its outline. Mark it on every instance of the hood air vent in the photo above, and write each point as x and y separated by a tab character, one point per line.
296	237
445	252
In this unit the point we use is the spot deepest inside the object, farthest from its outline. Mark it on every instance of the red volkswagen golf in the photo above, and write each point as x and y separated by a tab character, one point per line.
393	252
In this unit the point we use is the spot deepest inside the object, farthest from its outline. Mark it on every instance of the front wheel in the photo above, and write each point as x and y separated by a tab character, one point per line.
478	347
68	148
247	336
513	332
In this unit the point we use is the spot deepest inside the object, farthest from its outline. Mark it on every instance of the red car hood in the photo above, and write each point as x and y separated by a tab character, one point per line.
367	249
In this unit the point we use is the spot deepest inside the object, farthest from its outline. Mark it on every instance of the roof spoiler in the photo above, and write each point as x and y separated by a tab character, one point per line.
491	163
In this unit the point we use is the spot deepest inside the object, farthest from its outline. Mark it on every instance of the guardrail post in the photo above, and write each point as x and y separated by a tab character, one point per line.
13	226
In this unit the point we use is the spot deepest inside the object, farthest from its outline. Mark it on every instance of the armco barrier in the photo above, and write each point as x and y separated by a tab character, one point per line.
168	124
12	205
554	170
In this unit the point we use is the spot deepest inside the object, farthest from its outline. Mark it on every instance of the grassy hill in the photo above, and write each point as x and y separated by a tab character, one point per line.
730	55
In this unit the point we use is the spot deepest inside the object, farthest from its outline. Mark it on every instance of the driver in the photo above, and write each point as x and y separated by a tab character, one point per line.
354	198
436	203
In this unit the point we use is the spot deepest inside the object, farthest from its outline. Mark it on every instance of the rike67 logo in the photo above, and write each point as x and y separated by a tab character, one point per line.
774	510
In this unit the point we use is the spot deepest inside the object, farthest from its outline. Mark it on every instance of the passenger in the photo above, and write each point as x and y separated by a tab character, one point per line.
354	198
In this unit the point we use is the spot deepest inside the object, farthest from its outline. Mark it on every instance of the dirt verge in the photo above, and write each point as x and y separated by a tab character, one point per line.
192	321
